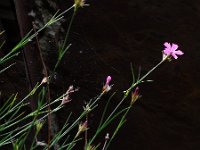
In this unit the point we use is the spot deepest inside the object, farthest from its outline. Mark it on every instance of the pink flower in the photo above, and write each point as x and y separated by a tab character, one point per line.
107	86
171	50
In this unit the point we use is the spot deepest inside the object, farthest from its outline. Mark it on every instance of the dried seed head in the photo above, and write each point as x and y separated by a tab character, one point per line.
79	3
44	80
66	97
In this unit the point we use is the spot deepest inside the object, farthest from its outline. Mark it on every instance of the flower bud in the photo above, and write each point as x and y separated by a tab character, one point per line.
135	95
107	86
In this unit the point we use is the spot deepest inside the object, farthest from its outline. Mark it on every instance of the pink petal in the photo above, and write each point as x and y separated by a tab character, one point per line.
174	55
167	51
179	52
136	90
174	47
108	79
167	45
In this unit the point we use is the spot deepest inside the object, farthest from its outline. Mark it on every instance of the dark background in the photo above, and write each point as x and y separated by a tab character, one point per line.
106	38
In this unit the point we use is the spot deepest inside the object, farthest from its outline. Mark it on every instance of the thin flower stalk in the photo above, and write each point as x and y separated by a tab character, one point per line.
106	140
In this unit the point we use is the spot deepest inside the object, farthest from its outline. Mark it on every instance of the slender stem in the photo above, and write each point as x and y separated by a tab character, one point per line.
65	11
1	71
118	126
72	143
150	71
86	133
68	31
143	77
64	48
48	89
127	93
105	143
73	124
119	104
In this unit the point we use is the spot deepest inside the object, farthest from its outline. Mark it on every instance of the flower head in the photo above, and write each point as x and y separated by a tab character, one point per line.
107	136
87	108
44	80
107	86
108	79
135	96
66	96
39	143
79	3
91	147
82	128
39	126
171	50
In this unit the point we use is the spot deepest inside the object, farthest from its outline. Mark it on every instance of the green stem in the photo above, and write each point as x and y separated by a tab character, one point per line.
68	31
118	127
143	77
